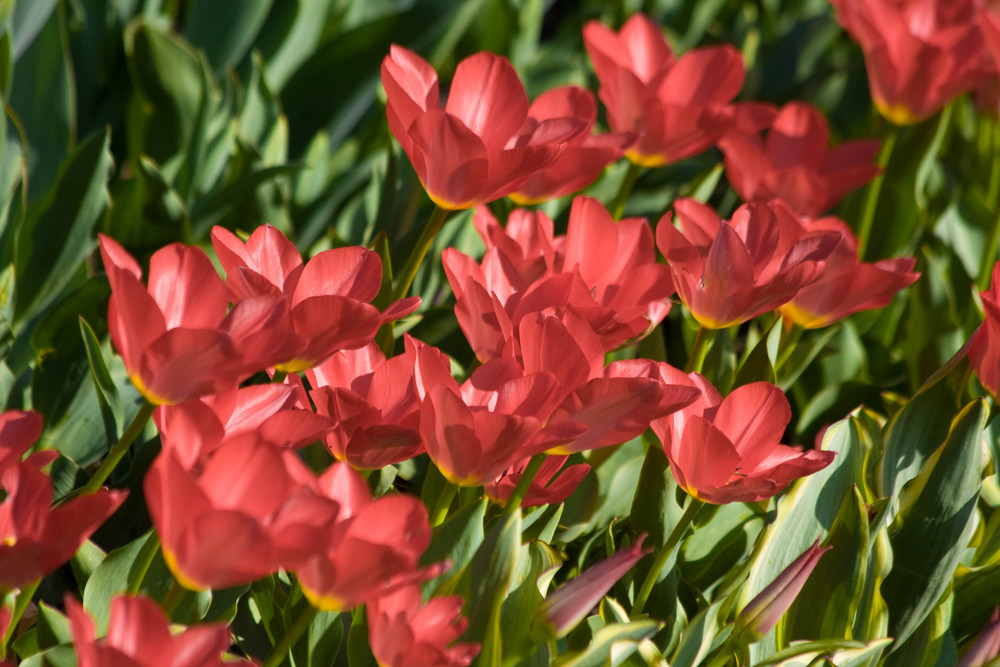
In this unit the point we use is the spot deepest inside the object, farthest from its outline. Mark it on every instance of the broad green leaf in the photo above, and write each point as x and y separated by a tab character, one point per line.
359	653
929	640
28	19
208	209
456	540
57	656
840	653
722	538
85	561
289	36
972	608
535	560
58	233
937	517
611	645
225	30
697	637
542	523
759	365
109	578
53	627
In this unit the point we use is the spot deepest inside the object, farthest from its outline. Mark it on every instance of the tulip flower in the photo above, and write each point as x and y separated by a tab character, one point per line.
193	430
546	487
18	432
986	93
374	404
728	450
984	347
326	298
919	55
176	338
482	145
401	632
762	613
139	635
987	644
847	285
582	158
729	272
369	548
604	270
249	511
36	538
679	106
565	608
793	163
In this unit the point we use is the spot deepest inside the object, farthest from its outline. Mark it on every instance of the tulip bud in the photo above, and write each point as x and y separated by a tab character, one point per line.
764	611
987	644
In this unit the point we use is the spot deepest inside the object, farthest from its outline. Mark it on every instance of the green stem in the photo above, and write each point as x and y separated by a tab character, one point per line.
116	453
302	623
990	247
789	339
416	257
20	605
874	190
142	563
663	555
700	349
448	492
524	483
279	376
617	207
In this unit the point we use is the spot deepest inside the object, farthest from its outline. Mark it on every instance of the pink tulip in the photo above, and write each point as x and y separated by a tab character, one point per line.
176	338
401	632
482	145
139	635
794	164
546	488
761	614
374	403
984	347
847	285
987	644
564	609
36	538
920	55
327	299
730	272
728	450
679	106
18	432
582	158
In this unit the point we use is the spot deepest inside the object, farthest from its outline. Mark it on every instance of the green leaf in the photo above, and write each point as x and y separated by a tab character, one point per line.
208	209
85	561
28	20
225	30
53	627
57	656
832	651
534	561
621	639
492	569
58	233
289	36
758	365
109	578
457	539
697	637
938	519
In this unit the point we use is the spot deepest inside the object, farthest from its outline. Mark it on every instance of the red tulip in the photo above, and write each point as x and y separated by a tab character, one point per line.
727	450
176	338
193	430
326	298
251	510
18	432
582	158
793	163
139	635
847	285
730	272
482	145
546	487
761	614
679	106
564	609
369	548
605	271
919	54
401	632
36	538
986	93
984	347
374	403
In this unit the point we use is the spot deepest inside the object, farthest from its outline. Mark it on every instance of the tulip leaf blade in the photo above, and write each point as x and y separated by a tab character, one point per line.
456	540
243	22
620	638
938	518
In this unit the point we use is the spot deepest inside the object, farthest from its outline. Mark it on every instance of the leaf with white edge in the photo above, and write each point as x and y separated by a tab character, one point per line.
839	653
611	645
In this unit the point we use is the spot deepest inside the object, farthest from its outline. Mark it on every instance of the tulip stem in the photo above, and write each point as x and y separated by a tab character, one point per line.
279	376
20	606
419	251
699	350
990	247
302	623
617	206
663	555
142	563
523	484
448	492
117	451
874	190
